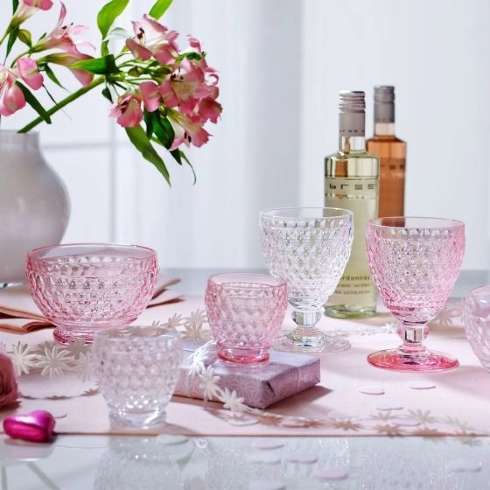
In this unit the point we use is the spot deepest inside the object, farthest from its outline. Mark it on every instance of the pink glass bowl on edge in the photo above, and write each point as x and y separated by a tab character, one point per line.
82	288
477	323
245	313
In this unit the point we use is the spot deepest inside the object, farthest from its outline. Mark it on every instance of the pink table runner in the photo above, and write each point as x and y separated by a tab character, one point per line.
456	402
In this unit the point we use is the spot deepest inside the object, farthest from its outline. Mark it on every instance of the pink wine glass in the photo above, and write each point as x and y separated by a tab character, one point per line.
415	263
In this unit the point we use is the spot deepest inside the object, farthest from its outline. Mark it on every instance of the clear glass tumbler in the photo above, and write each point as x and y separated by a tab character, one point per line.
415	262
245	313
137	369
309	248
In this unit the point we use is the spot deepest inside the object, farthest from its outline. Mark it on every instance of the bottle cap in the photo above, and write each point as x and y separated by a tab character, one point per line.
352	113
384	104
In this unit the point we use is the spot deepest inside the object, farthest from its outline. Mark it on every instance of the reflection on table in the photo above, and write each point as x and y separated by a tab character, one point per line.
223	463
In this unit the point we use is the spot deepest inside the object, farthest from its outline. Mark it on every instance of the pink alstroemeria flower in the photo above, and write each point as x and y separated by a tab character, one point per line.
68	59
9	393
29	73
150	92
209	109
185	88
62	36
128	111
40	4
153	39
27	8
187	130
11	97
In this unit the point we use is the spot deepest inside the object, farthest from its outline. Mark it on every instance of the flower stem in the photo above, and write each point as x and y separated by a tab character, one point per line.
75	95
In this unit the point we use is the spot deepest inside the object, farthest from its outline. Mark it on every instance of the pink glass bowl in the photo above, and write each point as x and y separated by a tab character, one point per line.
82	288
477	323
245	313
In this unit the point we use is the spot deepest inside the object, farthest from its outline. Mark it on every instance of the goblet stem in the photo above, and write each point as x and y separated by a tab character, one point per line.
306	334
413	335
306	337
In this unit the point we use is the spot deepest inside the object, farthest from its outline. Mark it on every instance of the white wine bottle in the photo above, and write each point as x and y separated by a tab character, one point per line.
352	182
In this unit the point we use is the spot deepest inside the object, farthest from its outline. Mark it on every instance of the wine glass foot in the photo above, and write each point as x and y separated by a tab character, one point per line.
393	361
321	344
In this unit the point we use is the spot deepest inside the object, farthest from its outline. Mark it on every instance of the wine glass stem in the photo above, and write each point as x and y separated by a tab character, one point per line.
413	337
306	321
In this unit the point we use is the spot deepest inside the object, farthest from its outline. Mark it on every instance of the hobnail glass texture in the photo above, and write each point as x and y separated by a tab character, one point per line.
415	262
137	369
477	323
309	248
245	313
82	288
140	463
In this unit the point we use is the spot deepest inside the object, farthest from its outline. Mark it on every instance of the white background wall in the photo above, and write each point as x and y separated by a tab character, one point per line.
282	63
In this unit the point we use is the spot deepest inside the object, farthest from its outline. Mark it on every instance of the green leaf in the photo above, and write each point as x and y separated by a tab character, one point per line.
106	17
193	56
25	37
34	103
163	130
117	33
52	76
148	116
138	137
99	66
183	156
15	4
107	94
11	40
159	8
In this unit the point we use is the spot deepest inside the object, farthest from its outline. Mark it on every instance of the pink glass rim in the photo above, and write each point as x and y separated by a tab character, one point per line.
480	293
245	279
415	222
302	213
50	252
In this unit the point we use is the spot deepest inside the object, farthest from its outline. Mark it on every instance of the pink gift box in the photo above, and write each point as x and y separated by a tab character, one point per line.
284	375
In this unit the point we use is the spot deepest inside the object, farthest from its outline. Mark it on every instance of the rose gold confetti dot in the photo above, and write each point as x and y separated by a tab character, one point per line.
389	405
264	457
302	458
267	444
372	390
464	466
421	385
330	474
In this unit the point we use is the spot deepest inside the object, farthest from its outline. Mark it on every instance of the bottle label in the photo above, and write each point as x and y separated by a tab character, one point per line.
356	286
352	124
392	187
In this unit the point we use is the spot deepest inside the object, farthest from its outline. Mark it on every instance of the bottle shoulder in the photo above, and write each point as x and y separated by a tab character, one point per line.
391	138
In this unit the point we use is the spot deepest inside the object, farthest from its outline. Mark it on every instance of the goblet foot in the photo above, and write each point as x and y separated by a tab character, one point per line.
310	342
74	332
392	360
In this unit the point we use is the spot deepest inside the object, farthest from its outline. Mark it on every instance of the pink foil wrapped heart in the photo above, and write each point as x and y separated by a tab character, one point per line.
36	426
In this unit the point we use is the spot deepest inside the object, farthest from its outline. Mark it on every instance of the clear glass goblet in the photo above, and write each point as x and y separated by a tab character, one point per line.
309	248
415	262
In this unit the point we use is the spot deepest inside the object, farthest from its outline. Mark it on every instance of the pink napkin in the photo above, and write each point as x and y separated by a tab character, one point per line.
19	313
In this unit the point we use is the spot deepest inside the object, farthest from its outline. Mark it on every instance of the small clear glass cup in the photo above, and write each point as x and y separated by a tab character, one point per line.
309	248
137	369
85	287
415	262
245	313
477	323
